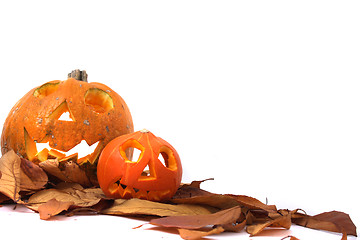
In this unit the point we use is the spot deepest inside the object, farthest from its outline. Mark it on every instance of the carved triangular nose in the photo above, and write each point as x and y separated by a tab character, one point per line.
148	172
62	113
65	116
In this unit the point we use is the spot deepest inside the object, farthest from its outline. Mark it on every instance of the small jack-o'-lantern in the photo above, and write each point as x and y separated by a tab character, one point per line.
96	115
155	175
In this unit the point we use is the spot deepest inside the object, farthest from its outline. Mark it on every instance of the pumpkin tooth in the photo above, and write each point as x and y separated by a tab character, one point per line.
158	195
72	157
141	194
83	160
153	196
42	155
113	188
96	152
56	154
30	146
128	192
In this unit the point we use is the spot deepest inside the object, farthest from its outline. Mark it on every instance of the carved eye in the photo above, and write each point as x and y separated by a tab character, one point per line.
167	158
99	100
46	89
132	151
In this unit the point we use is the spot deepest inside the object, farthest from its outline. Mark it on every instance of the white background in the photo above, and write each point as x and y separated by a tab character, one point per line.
263	96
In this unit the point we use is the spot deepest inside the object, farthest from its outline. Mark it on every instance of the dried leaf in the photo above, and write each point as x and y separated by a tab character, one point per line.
32	177
52	208
191	210
234	227
213	200
191	190
74	193
252	203
192	194
137	206
3	198
188	194
290	238
283	221
67	171
344	236
196	184
223	217
10	175
333	221
196	234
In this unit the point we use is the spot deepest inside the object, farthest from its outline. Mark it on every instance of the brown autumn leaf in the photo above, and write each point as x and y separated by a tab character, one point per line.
282	221
333	221
87	198
192	194
252	203
196	234
222	217
3	198
290	238
191	208
344	235
258	211
32	177
10	175
214	200
196	184
235	227
191	190
52	208
67	192
68	171
136	206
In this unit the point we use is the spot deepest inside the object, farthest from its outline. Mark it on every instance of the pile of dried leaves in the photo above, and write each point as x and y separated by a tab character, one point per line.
195	213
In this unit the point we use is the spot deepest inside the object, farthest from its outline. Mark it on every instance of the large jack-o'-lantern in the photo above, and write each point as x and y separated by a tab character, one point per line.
96	115
155	175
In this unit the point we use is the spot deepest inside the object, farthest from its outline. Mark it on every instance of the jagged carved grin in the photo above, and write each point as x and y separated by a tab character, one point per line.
81	151
127	192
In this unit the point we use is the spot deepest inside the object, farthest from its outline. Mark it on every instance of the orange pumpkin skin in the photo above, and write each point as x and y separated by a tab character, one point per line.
120	177
98	114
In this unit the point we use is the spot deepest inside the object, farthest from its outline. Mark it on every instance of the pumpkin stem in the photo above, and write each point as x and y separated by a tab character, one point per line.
78	75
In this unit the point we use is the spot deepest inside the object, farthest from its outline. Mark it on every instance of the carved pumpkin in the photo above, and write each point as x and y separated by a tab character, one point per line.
122	177
97	115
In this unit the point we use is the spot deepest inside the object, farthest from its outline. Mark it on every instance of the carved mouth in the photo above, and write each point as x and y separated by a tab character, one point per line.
124	191
80	152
